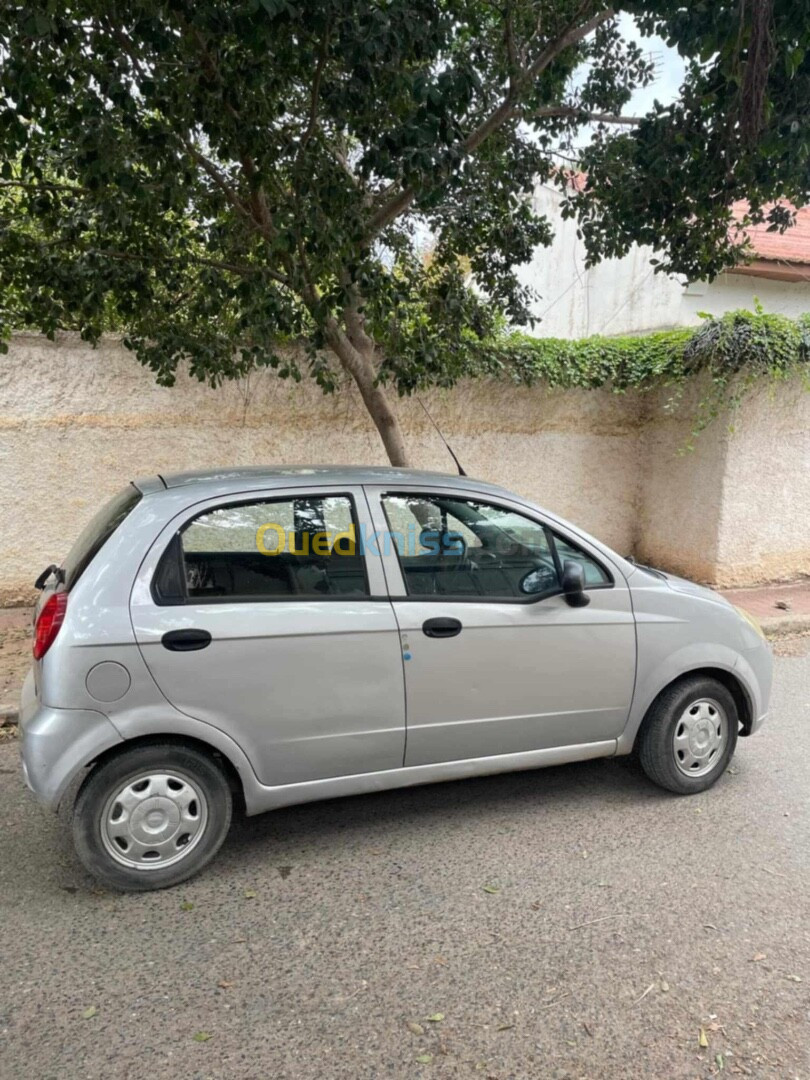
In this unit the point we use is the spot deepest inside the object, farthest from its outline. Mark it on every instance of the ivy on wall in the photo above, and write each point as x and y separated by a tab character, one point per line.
734	352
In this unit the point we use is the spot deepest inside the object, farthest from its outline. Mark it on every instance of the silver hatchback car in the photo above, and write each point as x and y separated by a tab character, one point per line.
268	637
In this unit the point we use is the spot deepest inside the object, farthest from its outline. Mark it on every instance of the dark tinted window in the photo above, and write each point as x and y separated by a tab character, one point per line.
97	532
293	547
466	548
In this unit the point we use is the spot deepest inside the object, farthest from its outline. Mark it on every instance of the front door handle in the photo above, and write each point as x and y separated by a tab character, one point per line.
441	627
186	640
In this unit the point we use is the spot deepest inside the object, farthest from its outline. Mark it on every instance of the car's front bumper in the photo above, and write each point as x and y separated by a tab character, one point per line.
56	744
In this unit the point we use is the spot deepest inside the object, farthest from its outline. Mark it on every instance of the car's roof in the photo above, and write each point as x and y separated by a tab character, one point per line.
256	476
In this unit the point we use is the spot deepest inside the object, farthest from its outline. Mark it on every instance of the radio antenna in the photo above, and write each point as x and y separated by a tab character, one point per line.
439	430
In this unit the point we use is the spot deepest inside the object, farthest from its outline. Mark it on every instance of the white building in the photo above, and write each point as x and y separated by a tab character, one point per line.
626	296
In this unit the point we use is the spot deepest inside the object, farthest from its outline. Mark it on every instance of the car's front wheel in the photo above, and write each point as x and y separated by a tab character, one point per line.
689	735
151	816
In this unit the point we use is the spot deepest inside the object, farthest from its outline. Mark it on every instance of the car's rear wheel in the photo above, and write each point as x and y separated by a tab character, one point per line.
152	816
689	735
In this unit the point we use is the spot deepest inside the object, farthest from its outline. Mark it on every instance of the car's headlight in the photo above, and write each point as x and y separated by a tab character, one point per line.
749	618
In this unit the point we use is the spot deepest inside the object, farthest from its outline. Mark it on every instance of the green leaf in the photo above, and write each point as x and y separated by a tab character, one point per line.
202	1036
425	1059
491	888
186	906
250	894
436	1018
89	1013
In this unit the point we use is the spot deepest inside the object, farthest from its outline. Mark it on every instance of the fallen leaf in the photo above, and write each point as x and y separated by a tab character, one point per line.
492	888
203	1036
721	1063
702	1039
88	1014
794	978
504	1027
414	1028
223	984
250	894
436	1018
759	956
439	959
186	906
425	1059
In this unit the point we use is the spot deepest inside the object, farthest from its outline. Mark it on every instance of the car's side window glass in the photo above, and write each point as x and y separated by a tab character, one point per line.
594	573
305	546
453	546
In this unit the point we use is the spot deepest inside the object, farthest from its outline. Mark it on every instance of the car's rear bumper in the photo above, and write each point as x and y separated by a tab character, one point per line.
56	744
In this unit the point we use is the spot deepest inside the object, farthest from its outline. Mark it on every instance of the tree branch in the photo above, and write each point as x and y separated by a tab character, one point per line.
508	108
43	185
323	54
216	174
582	115
216	264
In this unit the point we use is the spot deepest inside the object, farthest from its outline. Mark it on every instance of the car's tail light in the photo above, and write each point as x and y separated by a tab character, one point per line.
48	623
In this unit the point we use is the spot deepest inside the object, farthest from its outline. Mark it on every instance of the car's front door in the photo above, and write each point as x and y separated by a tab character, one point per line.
496	661
259	614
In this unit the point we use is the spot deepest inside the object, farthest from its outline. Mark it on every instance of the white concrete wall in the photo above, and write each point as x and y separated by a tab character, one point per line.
626	296
76	424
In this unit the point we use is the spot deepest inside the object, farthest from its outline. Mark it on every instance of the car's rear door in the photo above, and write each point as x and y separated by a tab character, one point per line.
296	653
490	669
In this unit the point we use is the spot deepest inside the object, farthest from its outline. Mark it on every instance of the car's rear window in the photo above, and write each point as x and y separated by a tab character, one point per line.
97	532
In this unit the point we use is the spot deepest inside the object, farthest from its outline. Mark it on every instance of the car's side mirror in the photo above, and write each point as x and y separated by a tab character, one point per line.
573	584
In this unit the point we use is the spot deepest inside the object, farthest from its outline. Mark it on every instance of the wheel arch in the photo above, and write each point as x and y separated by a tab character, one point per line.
730	678
207	748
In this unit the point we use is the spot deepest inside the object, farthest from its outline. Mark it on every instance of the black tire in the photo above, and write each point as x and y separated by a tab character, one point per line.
102	784
655	742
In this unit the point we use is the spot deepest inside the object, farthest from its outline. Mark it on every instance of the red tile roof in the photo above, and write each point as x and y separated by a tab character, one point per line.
782	256
791	246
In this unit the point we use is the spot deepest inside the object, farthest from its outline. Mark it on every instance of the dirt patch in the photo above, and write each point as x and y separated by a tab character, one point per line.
15	659
795	646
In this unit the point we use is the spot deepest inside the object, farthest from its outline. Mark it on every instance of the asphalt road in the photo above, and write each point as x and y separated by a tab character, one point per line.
616	923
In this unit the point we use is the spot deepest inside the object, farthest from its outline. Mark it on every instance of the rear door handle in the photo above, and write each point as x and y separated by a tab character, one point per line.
186	640
441	627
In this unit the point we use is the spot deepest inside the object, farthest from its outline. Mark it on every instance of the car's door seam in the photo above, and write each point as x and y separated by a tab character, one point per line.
402	661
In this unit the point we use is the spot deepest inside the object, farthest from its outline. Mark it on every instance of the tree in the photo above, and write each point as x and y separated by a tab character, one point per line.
220	176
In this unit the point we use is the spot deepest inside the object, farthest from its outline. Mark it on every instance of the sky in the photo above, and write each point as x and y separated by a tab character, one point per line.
669	70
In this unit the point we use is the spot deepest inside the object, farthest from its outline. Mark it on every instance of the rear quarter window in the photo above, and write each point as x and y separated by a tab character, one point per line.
97	532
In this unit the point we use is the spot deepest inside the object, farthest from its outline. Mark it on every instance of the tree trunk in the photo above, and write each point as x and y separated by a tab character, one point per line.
356	354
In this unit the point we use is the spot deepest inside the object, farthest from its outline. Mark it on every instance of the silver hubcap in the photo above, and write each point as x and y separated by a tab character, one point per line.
700	737
154	820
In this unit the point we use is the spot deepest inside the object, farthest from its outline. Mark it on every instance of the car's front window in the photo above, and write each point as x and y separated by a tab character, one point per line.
464	547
